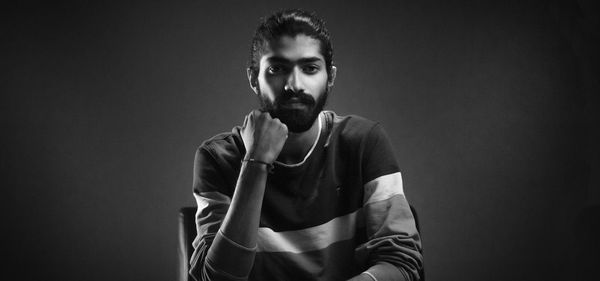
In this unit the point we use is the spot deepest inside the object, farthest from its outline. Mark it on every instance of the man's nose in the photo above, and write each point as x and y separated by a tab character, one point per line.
294	82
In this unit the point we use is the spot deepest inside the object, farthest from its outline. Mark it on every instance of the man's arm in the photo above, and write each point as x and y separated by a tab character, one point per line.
229	253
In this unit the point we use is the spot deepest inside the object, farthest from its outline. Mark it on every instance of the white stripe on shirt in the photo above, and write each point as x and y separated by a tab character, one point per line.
308	239
383	187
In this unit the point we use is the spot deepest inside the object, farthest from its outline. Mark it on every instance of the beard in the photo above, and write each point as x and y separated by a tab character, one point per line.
298	111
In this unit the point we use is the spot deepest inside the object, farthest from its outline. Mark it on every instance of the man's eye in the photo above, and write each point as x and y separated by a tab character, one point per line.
310	69
274	69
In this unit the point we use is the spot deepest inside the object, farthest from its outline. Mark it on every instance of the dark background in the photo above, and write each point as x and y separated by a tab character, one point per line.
491	105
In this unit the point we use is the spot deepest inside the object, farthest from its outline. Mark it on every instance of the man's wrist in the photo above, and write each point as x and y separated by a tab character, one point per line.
256	165
268	165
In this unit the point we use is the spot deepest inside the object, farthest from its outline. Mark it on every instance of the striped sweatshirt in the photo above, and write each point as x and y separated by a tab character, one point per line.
339	213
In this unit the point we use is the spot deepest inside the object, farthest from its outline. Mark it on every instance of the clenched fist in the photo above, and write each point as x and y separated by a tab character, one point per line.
263	136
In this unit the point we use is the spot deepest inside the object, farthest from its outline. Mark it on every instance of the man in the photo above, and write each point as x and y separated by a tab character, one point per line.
298	193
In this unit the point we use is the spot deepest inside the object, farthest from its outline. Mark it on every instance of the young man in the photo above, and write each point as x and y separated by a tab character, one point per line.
298	193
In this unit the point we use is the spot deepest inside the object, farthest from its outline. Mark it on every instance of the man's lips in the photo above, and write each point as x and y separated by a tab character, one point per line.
294	104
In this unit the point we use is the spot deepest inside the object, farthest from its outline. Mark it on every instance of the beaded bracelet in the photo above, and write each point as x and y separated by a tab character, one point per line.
270	166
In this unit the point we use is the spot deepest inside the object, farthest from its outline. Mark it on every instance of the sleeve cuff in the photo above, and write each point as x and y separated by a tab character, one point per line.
220	253
384	271
370	275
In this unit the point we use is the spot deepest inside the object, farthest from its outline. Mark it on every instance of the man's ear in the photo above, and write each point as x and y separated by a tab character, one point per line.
332	76
252	79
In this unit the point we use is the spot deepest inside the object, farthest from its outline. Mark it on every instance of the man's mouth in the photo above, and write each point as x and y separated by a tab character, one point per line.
294	104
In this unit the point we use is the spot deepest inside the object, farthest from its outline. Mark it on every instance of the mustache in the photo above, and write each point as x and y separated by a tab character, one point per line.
289	97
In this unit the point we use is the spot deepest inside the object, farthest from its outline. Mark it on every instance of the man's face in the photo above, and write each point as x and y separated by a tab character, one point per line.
292	81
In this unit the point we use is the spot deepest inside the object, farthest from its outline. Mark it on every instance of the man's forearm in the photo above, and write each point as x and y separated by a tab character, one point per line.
231	254
243	217
233	249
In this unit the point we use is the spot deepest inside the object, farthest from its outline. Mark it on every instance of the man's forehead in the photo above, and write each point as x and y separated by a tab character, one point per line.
299	47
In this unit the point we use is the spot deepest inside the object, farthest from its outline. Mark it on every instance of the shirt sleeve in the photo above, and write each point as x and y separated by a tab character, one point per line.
205	263
393	250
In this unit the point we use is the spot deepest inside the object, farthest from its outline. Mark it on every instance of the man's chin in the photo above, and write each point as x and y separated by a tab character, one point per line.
298	121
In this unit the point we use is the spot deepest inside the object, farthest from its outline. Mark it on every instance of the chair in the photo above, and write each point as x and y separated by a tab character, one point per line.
187	234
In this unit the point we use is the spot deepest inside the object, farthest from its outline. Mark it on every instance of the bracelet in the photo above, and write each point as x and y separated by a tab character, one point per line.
270	166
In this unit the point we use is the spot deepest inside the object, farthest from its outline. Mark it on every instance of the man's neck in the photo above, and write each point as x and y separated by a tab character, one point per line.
298	145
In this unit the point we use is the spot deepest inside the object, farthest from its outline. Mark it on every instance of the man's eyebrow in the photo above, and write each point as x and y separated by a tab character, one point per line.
302	60
309	60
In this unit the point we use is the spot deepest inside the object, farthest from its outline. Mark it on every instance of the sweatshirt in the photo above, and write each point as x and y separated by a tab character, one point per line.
340	212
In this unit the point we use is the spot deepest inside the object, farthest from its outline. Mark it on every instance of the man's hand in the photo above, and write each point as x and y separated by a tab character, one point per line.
263	136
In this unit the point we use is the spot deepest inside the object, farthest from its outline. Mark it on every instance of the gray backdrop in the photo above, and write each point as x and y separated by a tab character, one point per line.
490	106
